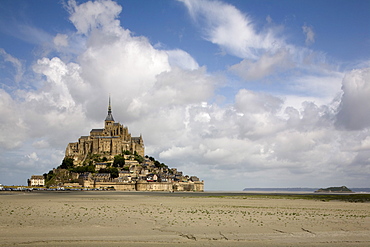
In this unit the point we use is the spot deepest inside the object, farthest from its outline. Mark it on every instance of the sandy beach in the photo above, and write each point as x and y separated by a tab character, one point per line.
96	218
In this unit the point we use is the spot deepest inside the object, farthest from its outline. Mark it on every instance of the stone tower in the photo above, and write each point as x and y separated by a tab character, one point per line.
109	120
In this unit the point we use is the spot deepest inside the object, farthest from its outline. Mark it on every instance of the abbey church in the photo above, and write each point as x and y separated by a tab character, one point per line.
113	140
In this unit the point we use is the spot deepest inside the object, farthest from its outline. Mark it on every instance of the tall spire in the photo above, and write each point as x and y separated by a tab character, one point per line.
109	116
109	107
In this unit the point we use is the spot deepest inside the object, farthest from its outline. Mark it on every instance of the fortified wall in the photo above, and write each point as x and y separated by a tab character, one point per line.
143	185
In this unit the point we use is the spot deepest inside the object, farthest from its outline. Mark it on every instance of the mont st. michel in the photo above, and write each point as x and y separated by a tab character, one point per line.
112	158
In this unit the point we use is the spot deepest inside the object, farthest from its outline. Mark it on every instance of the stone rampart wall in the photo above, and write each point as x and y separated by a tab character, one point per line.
116	186
146	186
153	186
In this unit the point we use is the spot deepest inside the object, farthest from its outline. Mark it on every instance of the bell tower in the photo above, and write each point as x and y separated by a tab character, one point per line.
109	119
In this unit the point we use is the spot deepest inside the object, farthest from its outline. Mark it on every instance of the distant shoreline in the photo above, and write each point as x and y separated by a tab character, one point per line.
363	196
244	191
308	190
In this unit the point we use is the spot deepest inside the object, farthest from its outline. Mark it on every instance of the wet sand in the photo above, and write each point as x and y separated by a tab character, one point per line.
94	218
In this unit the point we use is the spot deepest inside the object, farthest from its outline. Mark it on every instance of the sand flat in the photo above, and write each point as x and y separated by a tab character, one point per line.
87	218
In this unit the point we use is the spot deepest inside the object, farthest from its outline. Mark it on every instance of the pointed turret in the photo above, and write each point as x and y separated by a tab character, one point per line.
109	117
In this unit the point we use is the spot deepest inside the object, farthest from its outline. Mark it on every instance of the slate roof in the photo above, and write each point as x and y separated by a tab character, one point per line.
97	130
109	117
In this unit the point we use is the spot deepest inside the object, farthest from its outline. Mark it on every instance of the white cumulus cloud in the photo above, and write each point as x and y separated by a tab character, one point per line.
94	15
355	103
265	66
310	34
226	26
61	40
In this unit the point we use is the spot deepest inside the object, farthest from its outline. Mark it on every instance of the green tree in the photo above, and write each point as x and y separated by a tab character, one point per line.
96	157
67	163
90	168
159	164
49	176
82	169
151	158
139	158
112	170
119	161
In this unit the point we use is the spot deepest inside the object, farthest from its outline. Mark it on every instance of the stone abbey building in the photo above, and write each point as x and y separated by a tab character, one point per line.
113	140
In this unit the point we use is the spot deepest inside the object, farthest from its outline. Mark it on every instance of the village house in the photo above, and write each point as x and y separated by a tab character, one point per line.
102	177
99	166
36	180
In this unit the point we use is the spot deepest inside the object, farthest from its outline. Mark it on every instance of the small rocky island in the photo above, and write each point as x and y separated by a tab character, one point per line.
342	189
111	158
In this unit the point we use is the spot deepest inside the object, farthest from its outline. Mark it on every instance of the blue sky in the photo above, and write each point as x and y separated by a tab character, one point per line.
240	93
